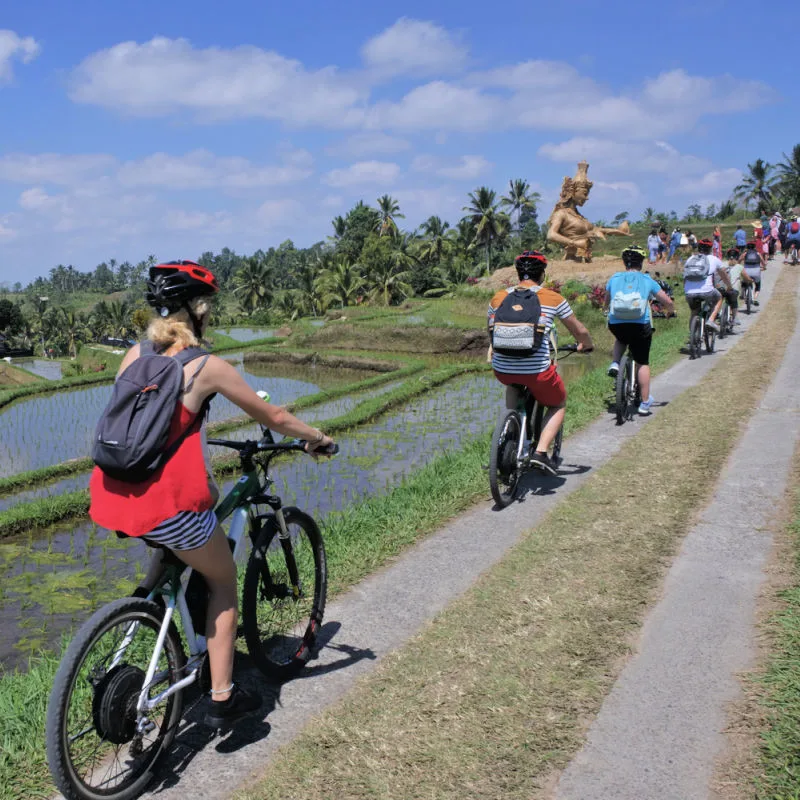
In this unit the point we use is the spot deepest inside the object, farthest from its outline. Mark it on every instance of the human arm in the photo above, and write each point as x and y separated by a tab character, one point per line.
580	332
220	376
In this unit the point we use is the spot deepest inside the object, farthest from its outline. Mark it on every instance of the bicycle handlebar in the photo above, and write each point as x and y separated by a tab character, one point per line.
573	348
264	446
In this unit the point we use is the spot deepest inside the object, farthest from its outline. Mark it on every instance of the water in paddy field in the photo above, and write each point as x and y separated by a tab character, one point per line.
43	367
246	334
51	582
43	430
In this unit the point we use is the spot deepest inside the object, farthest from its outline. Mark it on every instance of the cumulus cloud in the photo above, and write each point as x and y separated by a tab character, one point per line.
414	47
166	76
466	168
655	156
363	173
13	46
713	185
368	143
55	168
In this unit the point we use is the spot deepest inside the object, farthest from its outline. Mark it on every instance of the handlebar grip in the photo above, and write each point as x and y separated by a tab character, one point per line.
331	450
568	348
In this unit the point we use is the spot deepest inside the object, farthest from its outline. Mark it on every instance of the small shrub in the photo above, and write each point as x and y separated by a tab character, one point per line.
597	295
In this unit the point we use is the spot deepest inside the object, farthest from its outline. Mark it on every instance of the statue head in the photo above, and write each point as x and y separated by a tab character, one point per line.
575	191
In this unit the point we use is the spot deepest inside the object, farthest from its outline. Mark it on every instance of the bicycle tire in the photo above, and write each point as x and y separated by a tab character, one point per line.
710	337
111	716
504	472
622	390
281	619
694	337
724	321
748	298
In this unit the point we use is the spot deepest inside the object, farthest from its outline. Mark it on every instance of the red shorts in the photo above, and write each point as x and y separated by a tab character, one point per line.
546	387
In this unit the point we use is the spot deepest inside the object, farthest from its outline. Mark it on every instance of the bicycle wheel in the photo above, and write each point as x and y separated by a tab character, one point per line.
694	337
283	599
710	337
504	471
623	389
748	298
724	321
94	749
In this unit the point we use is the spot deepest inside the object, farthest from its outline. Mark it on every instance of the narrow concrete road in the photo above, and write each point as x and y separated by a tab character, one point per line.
661	728
384	611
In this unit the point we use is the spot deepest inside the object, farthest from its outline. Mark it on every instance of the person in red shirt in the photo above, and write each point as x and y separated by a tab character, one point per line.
174	508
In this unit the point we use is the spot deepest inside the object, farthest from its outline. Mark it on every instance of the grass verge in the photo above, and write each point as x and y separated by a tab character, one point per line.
492	697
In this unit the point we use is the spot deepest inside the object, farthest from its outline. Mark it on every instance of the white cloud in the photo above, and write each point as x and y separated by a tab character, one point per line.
644	156
368	143
713	186
414	47
604	191
363	173
6	231
466	168
181	220
13	46
201	169
168	76
53	167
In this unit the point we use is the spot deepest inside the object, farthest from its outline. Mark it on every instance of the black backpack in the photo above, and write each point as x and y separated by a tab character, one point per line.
130	442
517	330
752	259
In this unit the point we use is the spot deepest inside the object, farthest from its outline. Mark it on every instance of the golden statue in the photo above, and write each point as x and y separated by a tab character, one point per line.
569	227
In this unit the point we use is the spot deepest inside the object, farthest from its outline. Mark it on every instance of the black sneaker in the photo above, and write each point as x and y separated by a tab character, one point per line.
225	712
755	302
543	462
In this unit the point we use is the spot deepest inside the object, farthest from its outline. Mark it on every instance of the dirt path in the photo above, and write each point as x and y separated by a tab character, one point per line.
384	611
661	728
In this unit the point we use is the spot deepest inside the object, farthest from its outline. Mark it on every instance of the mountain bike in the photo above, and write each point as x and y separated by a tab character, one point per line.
699	332
725	319
118	694
509	458
628	393
747	296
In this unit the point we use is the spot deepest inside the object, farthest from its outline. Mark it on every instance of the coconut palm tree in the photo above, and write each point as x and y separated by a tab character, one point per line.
648	215
389	281
789	177
119	317
339	227
491	224
389	213
520	198
252	284
436	242
75	329
342	282
757	185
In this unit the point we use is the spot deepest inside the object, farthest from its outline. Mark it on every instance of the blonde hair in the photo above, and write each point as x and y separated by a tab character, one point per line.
177	328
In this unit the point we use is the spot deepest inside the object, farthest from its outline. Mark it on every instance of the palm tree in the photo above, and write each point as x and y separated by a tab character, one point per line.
727	209
389	212
251	284
119	317
436	240
648	215
789	177
74	327
342	282
339	227
490	224
520	198
388	280
757	185
100	320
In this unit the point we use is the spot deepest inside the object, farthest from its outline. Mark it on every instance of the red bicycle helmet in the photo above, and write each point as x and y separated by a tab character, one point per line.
530	258
174	283
752	243
705	243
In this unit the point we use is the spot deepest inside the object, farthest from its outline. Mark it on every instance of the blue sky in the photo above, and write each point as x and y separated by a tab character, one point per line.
173	128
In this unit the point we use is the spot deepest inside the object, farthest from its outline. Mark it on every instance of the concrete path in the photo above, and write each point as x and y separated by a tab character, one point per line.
384	611
661	728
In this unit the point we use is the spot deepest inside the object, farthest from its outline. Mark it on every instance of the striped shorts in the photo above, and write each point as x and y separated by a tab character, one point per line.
187	530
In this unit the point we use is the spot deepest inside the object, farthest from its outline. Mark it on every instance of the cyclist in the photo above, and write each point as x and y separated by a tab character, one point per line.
792	239
752	268
535	371
628	296
697	289
737	276
173	509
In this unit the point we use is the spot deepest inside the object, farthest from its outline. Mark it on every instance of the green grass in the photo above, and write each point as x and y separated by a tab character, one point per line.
778	767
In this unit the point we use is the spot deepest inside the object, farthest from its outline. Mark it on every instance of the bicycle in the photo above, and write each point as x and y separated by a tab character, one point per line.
627	390
791	256
118	693
508	459
725	319
747	296
699	332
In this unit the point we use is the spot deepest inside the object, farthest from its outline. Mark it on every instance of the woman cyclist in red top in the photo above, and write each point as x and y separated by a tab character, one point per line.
174	508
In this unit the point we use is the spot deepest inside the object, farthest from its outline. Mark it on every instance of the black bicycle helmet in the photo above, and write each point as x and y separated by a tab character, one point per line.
633	255
174	283
530	262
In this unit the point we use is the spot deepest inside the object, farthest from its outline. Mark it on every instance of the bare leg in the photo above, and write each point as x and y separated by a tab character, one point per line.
552	422
717	309
644	382
215	563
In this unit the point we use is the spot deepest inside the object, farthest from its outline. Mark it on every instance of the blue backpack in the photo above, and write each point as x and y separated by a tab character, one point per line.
130	441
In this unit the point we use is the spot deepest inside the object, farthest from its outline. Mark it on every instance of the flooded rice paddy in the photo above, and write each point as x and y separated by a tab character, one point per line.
49	582
40	431
246	334
43	367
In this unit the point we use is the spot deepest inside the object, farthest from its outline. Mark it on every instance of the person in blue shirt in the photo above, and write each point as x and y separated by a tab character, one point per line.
674	243
740	237
628	296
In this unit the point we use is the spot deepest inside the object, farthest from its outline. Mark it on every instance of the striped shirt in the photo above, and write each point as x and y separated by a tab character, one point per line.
553	305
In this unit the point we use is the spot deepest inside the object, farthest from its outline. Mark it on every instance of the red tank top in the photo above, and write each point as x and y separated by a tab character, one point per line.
180	485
